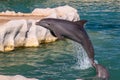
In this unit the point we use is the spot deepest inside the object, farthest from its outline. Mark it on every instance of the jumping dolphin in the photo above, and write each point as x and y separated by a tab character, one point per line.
76	32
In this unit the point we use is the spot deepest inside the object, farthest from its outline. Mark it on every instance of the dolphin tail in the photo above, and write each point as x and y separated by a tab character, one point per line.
102	72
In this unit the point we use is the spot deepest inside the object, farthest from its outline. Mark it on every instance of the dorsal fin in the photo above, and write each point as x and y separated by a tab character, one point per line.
81	22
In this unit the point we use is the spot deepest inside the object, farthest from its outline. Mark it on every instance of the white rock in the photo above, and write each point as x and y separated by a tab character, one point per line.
39	11
1	39
31	39
8	33
67	12
79	79
21	36
16	77
19	77
41	32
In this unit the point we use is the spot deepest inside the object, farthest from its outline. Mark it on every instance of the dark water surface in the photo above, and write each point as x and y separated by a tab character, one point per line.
55	61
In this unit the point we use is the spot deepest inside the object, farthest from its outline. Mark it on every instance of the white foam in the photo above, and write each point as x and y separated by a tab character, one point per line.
82	59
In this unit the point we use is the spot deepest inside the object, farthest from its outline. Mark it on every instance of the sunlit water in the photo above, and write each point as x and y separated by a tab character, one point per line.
56	61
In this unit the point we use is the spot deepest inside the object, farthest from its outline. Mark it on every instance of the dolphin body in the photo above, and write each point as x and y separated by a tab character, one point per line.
76	32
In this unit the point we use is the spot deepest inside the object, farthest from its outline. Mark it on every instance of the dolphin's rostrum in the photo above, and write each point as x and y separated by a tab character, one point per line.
76	32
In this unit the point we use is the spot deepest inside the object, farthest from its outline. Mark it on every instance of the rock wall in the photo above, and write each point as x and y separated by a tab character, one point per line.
22	32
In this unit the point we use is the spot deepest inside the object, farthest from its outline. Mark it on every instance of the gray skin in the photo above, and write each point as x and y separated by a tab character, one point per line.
74	31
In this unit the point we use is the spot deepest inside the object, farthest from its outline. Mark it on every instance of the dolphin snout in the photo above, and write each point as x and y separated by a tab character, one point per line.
41	23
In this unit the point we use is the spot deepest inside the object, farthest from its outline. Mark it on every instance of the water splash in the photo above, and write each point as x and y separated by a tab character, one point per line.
82	59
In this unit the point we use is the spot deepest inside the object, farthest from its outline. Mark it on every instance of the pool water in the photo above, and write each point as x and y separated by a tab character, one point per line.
55	61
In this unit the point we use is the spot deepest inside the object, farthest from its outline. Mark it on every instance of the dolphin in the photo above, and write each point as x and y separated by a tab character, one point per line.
74	31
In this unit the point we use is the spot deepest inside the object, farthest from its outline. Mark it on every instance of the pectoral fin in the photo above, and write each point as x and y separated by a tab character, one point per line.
53	33
56	34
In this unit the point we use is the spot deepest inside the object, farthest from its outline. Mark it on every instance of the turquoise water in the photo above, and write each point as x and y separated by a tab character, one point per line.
55	61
